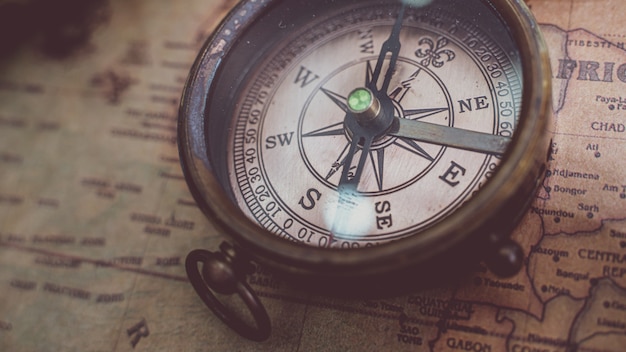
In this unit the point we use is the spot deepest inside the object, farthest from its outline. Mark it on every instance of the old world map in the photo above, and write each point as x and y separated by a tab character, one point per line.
96	218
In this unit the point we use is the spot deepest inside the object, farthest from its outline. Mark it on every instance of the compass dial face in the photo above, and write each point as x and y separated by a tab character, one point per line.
439	103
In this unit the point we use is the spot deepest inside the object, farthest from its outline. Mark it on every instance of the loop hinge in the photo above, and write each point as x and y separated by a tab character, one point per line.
225	272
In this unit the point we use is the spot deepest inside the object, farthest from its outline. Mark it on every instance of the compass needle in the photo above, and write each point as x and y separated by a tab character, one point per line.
450	137
341	160
390	46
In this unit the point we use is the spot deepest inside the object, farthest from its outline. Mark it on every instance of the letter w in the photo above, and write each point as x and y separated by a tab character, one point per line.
285	138
305	77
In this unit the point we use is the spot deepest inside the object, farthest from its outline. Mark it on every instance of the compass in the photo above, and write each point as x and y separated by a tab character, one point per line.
363	147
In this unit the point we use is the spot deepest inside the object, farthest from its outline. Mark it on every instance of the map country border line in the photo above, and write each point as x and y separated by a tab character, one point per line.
587	136
440	324
525	338
602	223
586	308
511	336
592	280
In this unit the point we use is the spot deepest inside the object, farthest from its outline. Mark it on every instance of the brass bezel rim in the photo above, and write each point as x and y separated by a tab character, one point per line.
521	164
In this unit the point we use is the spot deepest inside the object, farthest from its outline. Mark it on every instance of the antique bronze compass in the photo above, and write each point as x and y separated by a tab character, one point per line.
363	146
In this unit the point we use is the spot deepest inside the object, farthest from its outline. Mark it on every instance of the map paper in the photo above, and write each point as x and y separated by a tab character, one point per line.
96	218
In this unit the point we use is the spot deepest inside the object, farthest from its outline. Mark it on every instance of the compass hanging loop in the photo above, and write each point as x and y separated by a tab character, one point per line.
223	273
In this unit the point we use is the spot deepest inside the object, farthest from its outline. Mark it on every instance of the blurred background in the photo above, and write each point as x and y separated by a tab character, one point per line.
57	28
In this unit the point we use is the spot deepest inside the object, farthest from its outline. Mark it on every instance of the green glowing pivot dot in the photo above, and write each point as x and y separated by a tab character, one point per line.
360	100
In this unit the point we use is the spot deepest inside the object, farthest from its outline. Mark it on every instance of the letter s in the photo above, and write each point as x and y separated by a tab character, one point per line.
310	201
